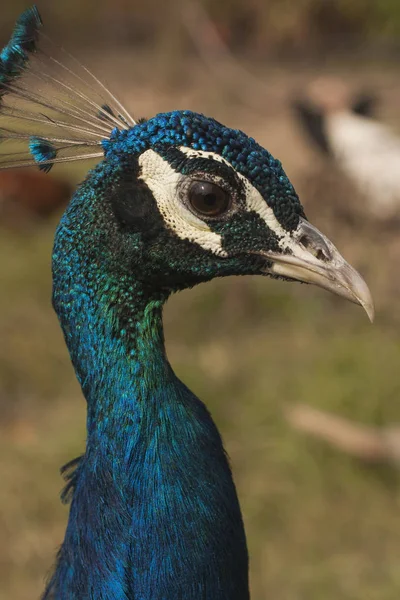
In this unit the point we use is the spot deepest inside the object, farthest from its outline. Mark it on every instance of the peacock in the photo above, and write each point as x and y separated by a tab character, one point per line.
175	201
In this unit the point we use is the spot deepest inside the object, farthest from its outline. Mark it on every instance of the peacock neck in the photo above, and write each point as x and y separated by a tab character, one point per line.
154	513
123	366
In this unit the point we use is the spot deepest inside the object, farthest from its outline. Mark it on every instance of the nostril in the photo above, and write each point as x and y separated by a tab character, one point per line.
310	245
304	241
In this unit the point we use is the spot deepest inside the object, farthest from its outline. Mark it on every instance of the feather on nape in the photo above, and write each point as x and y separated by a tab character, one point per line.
51	110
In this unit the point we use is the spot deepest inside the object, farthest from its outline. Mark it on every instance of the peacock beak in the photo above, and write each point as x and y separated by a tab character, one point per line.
312	258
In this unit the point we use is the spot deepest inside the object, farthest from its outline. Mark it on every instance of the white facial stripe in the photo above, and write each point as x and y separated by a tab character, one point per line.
256	203
191	153
286	240
254	200
163	181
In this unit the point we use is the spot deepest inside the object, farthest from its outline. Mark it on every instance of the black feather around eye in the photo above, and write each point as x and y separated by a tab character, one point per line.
131	206
134	206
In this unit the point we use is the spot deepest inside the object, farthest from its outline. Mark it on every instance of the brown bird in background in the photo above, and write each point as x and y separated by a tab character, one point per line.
28	196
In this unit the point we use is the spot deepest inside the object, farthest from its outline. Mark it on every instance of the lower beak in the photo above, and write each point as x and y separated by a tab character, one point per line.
314	259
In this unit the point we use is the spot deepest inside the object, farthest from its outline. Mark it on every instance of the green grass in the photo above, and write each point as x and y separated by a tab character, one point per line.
319	524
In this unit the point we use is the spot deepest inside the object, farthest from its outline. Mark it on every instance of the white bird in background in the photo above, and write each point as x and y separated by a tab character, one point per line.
344	129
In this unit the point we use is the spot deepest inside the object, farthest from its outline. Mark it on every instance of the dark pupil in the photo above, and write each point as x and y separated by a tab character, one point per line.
208	199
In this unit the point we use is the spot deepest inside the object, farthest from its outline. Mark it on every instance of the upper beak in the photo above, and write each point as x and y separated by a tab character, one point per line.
314	259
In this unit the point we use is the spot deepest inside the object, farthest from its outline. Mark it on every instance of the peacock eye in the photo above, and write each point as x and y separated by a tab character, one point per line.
208	199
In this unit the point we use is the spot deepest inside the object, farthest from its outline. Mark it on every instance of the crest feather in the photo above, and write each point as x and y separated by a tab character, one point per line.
54	111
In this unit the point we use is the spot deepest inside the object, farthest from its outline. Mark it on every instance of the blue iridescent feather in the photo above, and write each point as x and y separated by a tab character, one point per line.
15	56
32	95
26	30
42	151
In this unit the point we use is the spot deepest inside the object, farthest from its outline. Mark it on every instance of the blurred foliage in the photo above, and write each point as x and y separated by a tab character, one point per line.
255	26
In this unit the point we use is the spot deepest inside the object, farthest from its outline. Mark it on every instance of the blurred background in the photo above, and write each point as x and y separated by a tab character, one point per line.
320	523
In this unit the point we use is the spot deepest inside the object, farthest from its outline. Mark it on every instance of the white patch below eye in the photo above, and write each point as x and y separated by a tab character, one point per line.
163	181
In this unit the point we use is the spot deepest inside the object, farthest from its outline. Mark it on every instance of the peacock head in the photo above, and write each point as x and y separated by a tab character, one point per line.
202	200
176	200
